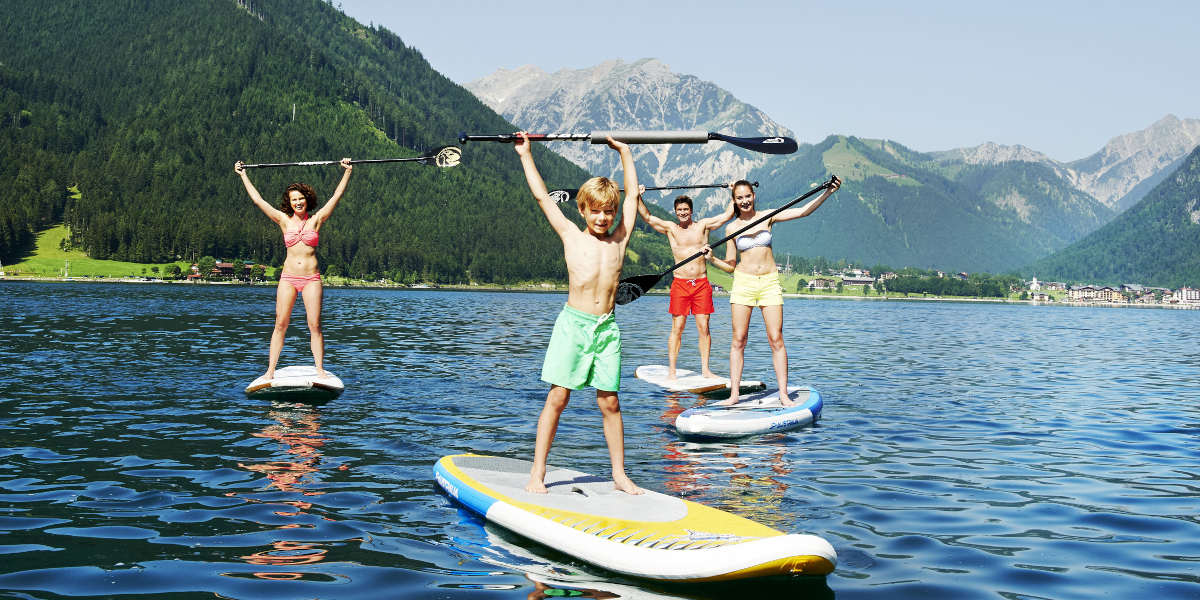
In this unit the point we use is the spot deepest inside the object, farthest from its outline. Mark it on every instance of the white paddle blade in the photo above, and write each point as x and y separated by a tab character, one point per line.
449	156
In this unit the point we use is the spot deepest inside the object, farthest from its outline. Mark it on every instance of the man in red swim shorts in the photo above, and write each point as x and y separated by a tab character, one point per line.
691	293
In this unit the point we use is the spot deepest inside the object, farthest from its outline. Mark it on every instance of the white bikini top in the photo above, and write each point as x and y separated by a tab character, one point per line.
753	240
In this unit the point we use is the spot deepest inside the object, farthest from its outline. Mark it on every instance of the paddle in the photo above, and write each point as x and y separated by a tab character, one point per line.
561	196
446	156
632	288
766	145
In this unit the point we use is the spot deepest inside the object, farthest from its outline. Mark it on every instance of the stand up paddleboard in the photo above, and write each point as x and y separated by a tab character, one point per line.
690	381
296	384
755	414
652	535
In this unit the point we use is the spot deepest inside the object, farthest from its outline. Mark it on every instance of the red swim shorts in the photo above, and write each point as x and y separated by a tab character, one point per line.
691	296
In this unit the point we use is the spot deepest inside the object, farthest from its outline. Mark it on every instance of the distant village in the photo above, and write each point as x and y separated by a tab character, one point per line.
1033	290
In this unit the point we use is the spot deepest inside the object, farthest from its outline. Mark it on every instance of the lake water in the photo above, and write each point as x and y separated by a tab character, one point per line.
965	450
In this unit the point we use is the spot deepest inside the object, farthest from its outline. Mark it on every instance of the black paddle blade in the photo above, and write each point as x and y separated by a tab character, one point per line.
766	145
632	288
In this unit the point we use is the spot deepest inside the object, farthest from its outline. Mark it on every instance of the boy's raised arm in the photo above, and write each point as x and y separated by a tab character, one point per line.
630	207
559	222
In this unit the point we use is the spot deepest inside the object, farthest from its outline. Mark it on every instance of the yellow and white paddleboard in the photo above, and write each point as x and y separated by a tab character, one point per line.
651	535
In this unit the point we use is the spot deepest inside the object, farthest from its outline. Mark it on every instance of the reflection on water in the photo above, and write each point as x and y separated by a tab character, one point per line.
964	450
296	427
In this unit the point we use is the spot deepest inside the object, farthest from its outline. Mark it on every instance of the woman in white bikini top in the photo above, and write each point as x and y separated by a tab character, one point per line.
756	283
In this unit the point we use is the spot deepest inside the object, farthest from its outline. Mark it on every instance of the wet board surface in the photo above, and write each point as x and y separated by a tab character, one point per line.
690	381
299	384
754	414
652	535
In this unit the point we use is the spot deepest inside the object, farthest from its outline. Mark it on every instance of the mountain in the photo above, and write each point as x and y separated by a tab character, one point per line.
1156	242
902	208
144	106
644	94
1113	174
990	207
1117	174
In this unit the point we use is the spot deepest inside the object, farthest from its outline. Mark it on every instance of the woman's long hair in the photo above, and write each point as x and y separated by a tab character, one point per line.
310	198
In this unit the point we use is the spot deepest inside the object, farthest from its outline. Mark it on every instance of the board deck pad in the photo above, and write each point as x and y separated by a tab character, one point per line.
690	381
754	414
651	535
298	383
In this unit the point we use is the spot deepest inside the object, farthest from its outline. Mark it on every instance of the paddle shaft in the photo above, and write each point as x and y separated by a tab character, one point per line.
767	145
599	137
575	192
316	163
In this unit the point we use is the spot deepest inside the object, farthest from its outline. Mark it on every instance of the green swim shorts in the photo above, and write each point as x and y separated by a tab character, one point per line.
585	349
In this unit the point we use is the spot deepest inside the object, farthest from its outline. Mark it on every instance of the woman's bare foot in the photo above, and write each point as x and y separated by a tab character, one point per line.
730	401
626	485
535	486
709	374
784	400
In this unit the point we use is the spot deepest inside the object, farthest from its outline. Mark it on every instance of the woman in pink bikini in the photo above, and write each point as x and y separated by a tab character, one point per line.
300	275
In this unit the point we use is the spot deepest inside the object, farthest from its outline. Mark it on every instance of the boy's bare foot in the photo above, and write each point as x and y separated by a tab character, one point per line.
269	375
626	485
322	372
709	374
535	486
670	375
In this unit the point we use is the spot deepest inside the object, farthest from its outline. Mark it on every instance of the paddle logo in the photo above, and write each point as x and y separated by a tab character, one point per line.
774	140
560	196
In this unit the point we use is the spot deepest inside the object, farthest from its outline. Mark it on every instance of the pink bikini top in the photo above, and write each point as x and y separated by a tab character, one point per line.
308	236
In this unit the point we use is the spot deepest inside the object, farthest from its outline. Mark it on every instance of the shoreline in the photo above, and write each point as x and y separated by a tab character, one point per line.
557	288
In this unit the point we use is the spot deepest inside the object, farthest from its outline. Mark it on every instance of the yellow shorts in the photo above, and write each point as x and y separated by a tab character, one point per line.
756	290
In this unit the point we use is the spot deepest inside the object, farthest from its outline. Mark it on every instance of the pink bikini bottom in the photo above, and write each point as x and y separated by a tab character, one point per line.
299	281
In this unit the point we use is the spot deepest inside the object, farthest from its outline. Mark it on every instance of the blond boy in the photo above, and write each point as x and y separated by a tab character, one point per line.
585	348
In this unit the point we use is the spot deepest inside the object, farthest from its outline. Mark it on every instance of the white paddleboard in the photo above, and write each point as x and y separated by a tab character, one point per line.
690	381
757	413
651	535
300	384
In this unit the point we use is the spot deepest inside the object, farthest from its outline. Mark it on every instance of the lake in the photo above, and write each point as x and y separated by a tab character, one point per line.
966	450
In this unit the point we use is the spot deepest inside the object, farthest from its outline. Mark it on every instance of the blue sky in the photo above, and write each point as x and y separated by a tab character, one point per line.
1059	76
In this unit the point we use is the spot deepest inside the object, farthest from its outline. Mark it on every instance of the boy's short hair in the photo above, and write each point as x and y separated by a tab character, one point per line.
683	200
599	192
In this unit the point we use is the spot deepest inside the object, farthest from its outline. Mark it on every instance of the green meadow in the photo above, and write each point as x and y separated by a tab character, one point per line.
50	260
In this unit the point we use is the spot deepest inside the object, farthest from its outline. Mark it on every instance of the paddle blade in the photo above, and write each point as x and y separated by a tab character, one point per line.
632	288
446	156
561	196
766	145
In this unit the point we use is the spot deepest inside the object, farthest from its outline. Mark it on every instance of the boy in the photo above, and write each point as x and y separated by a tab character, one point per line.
691	293
585	348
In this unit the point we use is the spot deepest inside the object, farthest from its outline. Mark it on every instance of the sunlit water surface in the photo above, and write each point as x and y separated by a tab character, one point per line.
965	451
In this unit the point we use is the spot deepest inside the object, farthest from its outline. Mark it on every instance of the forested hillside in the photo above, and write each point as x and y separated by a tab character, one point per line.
144	106
1155	243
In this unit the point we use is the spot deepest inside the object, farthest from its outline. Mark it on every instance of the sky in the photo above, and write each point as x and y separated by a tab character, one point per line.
1062	77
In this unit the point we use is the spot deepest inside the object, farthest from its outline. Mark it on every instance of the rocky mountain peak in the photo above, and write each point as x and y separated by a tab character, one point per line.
644	94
